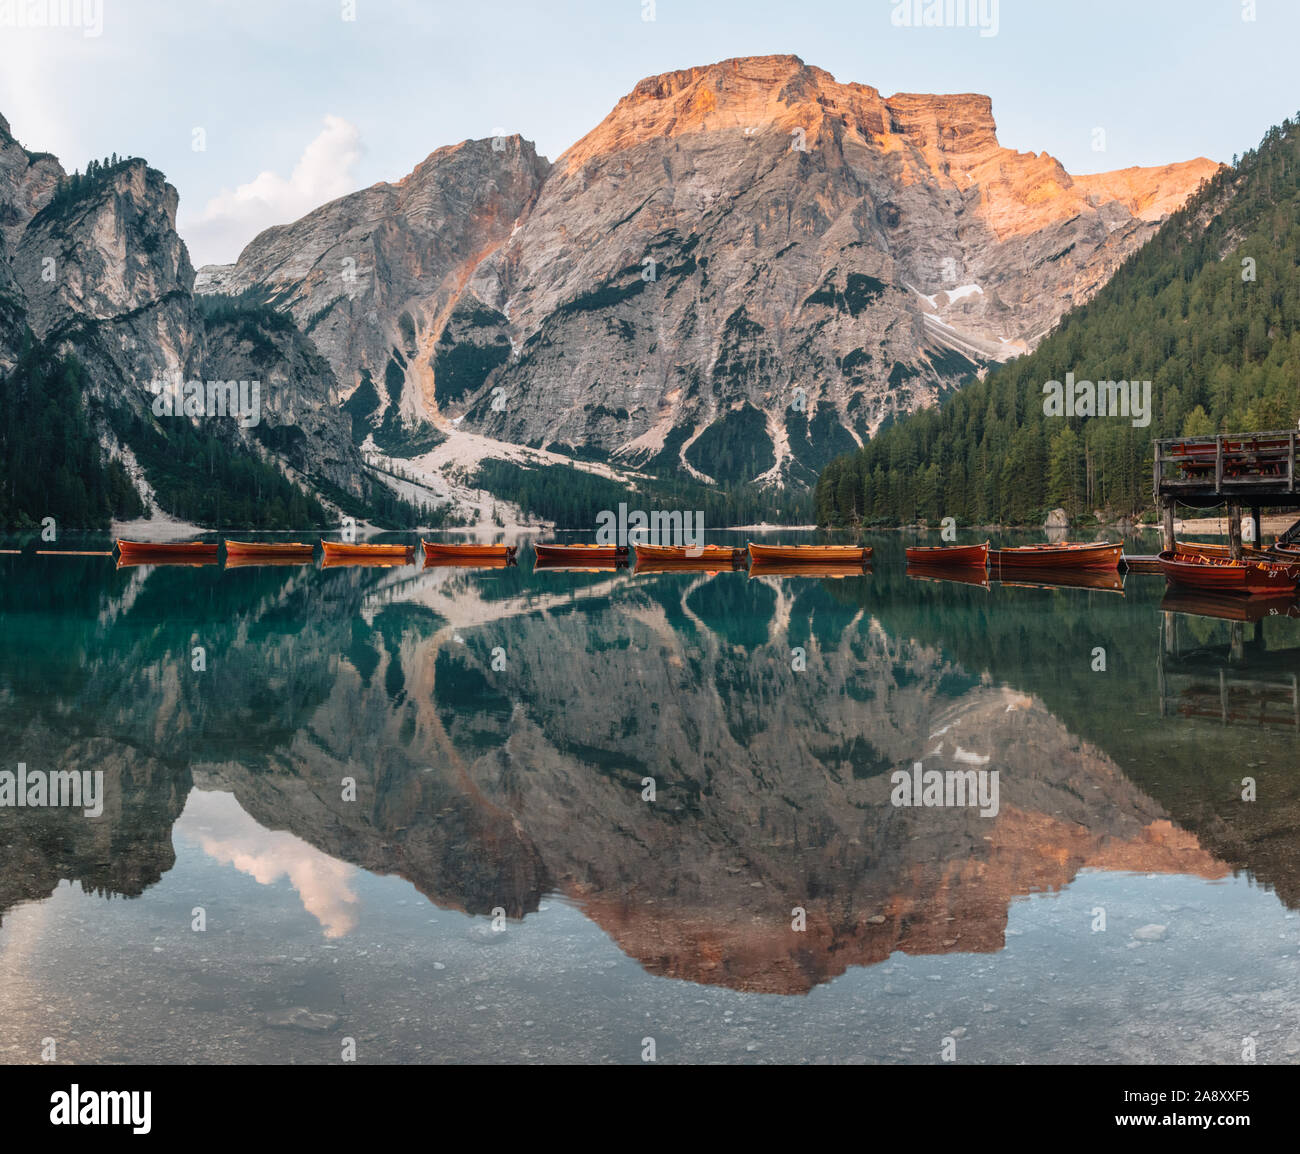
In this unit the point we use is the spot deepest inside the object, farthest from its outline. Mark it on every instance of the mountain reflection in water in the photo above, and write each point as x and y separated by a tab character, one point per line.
500	727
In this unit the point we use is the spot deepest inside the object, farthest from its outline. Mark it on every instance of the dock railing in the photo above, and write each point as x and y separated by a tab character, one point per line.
1227	463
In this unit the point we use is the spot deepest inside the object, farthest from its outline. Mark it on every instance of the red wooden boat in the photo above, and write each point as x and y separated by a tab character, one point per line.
1066	555
1248	553
810	554
342	551
298	550
965	555
581	554
1225	575
697	556
199	551
462	551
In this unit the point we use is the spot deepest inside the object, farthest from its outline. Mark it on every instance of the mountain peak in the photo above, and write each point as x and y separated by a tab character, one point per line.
755	93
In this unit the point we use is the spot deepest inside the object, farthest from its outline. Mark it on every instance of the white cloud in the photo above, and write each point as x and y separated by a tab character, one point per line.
326	170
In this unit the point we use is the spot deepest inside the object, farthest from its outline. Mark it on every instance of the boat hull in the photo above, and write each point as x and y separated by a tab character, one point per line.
702	556
939	555
434	551
1064	556
1225	576
270	549
582	554
1253	556
177	550
340	551
809	554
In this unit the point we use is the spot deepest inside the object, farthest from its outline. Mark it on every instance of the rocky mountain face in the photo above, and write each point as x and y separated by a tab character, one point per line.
373	277
94	267
27	181
104	274
745	269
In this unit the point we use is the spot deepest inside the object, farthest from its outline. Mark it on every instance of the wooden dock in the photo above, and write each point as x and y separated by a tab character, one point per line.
1241	470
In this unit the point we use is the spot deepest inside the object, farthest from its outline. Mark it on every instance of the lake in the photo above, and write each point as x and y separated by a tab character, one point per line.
500	815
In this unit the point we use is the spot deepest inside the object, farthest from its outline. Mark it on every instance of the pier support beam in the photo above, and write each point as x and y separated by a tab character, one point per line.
1234	530
1167	523
1254	524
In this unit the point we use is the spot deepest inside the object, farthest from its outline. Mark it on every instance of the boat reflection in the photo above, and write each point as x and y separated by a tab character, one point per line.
809	569
959	574
1102	580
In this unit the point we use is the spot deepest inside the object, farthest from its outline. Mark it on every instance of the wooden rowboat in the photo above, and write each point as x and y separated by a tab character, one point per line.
1225	575
1248	553
965	555
462	551
269	549
1066	555
581	554
697	556
810	554
339	551
160	550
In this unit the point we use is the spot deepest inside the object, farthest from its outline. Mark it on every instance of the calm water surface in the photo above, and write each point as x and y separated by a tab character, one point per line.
499	889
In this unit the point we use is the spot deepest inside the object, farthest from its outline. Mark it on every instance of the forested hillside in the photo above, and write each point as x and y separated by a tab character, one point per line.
1207	311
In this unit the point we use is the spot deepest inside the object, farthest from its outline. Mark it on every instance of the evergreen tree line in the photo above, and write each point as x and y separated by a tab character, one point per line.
1208	311
77	184
572	497
201	478
51	462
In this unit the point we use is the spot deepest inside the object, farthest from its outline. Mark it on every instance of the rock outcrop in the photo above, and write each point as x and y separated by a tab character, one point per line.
372	277
94	267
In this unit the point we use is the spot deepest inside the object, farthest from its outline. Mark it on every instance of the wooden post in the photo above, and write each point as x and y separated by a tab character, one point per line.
1218	464
1234	530
1167	518
1254	524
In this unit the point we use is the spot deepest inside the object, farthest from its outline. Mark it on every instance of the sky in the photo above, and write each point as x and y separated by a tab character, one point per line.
260	110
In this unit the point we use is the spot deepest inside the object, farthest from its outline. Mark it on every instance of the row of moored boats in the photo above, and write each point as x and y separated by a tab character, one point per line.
1259	572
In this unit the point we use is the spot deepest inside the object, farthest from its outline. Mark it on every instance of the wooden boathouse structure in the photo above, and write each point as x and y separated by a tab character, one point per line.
1245	471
